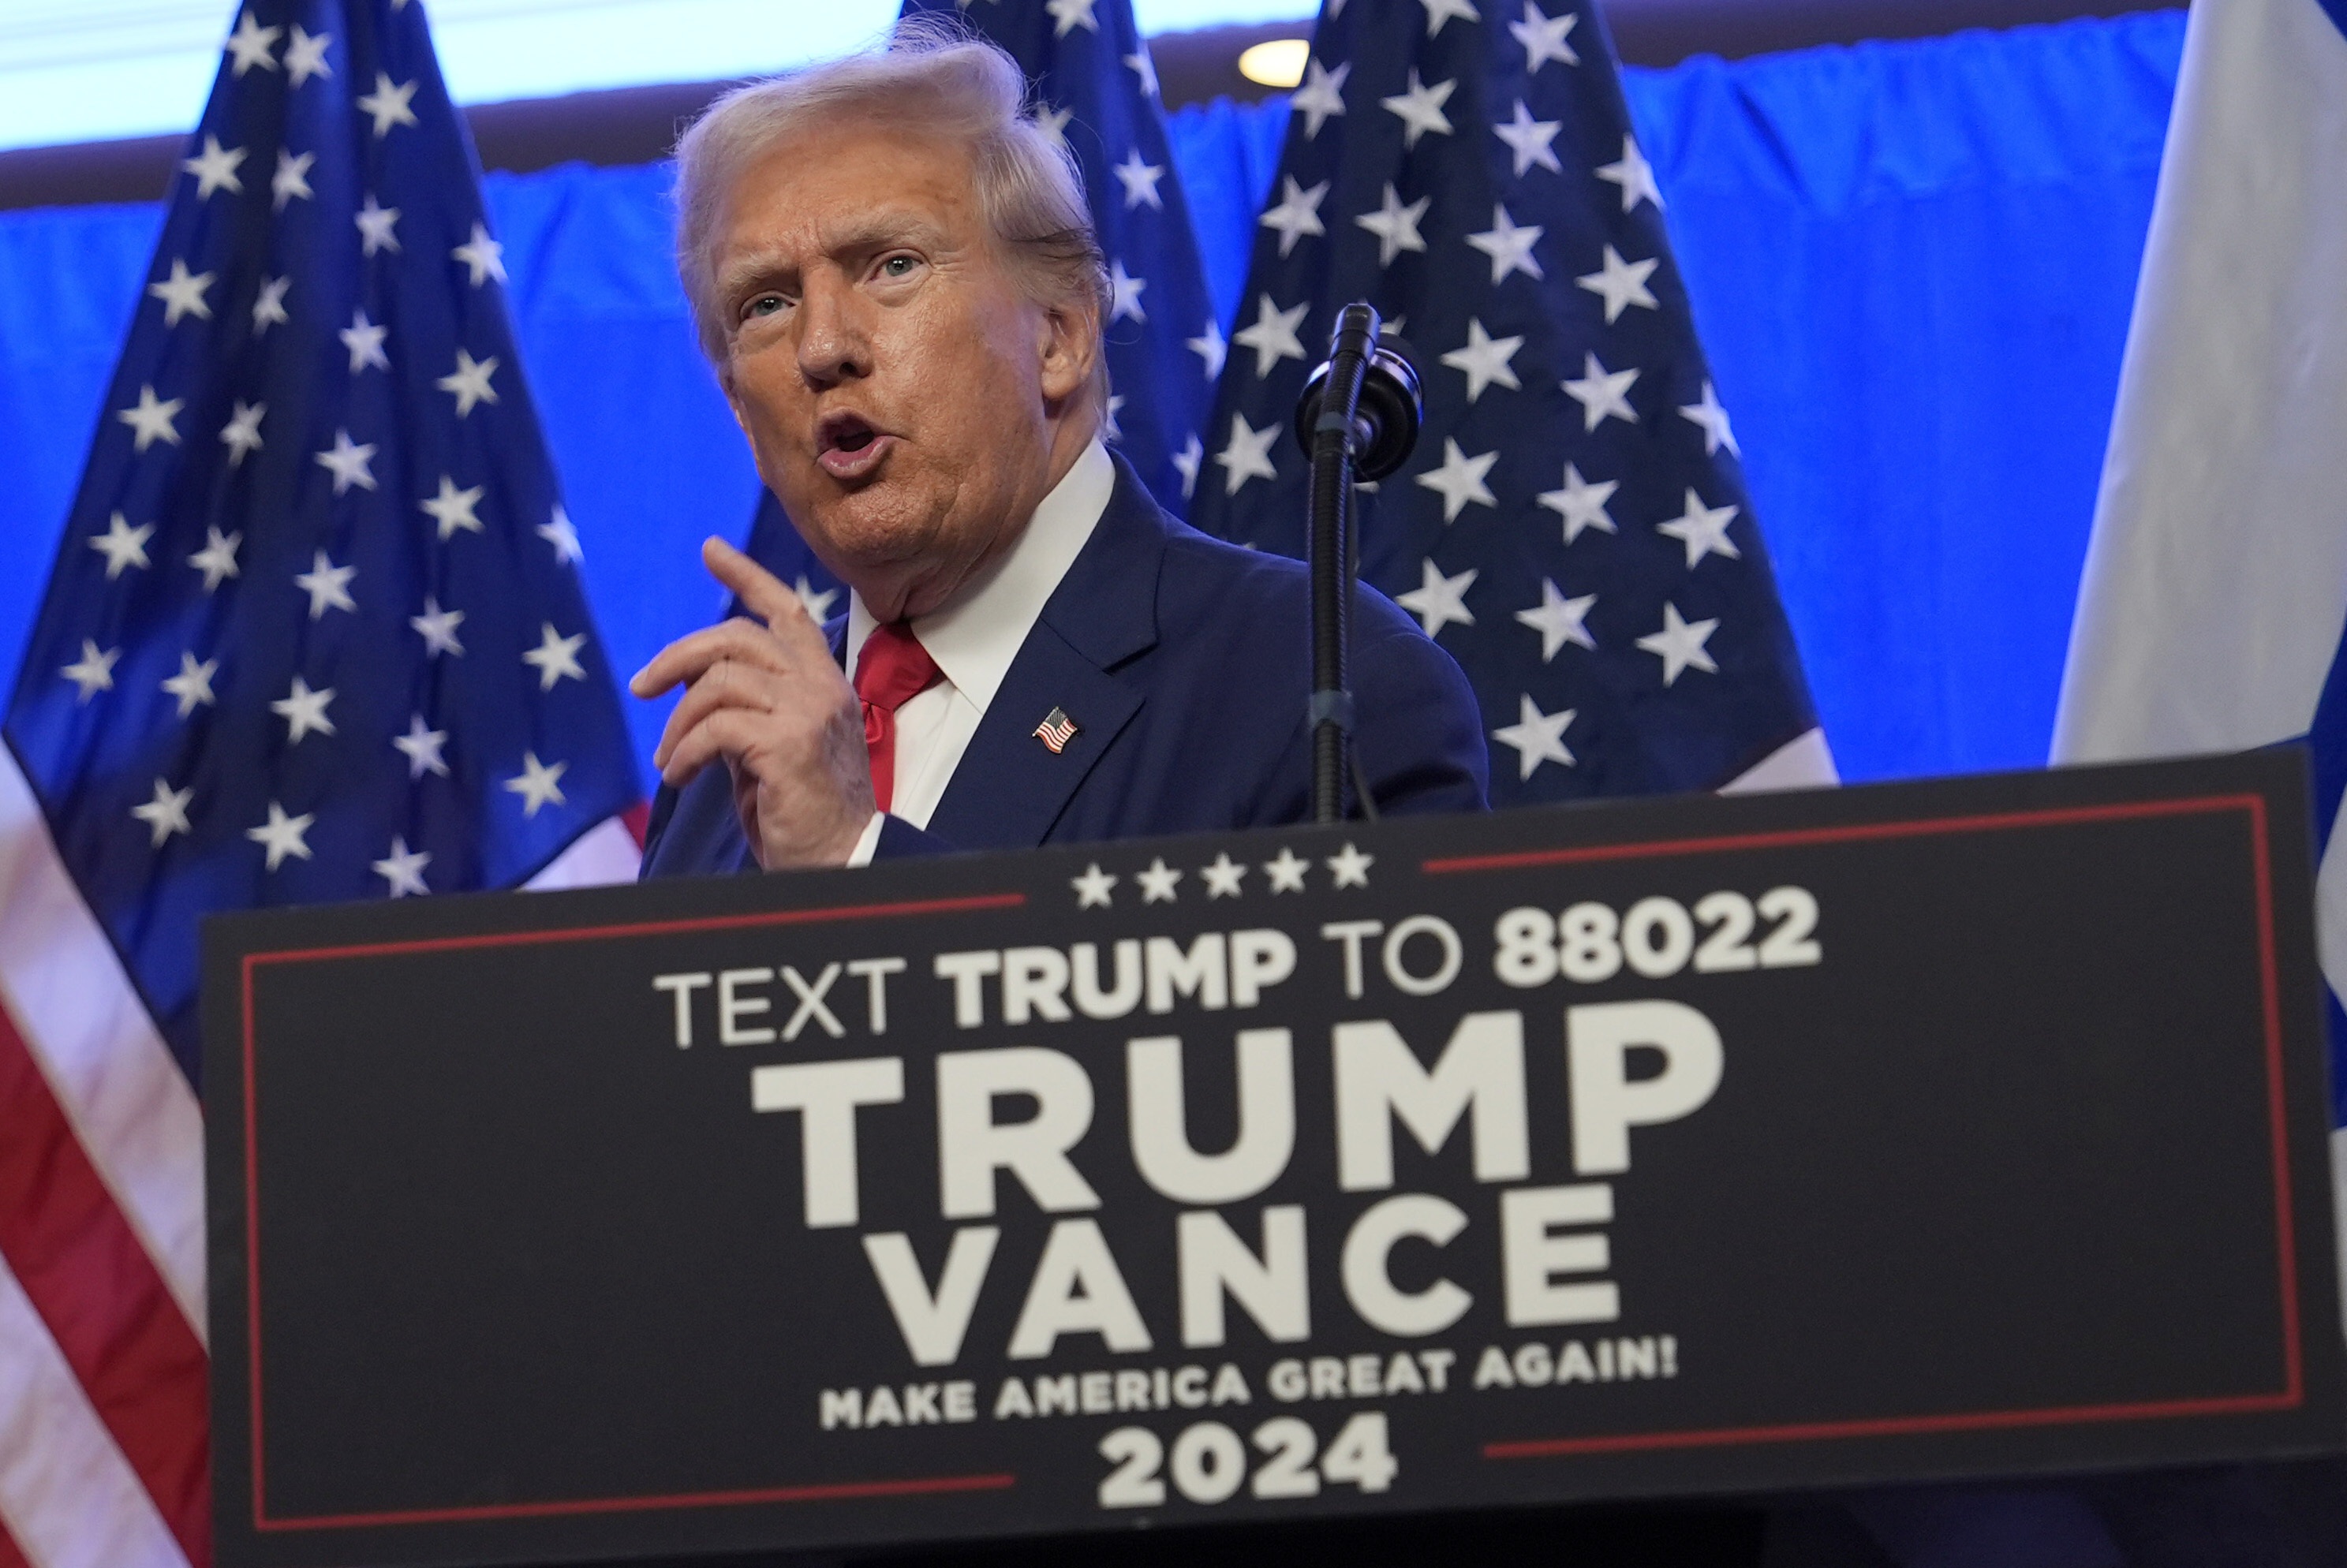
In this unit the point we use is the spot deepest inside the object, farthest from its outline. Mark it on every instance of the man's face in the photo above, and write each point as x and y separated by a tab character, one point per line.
905	400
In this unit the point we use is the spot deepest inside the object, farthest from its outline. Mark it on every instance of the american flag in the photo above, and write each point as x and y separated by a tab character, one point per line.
1573	526
1056	730
314	633
1095	91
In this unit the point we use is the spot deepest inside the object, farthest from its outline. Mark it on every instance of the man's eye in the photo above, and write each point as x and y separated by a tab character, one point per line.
897	267
765	305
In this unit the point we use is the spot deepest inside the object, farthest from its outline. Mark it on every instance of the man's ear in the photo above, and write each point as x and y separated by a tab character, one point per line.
1071	346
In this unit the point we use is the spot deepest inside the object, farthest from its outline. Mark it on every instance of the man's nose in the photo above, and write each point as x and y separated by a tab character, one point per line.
834	343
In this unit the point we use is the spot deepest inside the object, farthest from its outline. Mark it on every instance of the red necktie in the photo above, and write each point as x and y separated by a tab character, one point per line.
892	667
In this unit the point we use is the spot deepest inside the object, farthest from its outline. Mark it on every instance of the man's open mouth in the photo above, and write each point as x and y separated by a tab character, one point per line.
847	447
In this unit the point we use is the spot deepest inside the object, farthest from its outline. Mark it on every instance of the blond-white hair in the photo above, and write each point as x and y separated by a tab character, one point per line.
939	82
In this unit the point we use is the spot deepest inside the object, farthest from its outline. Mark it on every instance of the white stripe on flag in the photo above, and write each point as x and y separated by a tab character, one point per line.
1805	762
86	1027
67	1493
604	853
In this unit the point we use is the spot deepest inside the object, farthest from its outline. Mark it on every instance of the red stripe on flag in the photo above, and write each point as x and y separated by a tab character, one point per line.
11	1554
91	1280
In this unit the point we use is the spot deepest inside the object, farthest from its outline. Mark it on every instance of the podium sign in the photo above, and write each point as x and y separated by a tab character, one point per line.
1676	1147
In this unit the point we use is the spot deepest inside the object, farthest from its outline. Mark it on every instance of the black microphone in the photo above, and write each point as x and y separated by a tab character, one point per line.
1385	420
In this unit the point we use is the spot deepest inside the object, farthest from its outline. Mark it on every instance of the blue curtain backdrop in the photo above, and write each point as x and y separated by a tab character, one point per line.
1911	264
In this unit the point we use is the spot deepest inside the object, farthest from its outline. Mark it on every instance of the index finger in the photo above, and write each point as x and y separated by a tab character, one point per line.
766	596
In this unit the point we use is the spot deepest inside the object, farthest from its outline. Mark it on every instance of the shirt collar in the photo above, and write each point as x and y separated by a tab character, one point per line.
976	636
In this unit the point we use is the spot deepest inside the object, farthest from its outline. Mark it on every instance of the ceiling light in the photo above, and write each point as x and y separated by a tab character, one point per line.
1276	63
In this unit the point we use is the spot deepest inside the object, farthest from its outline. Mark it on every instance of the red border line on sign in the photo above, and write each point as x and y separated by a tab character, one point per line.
2293	1391
811	1493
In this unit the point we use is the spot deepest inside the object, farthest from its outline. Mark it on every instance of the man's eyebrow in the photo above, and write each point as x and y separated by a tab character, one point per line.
873	230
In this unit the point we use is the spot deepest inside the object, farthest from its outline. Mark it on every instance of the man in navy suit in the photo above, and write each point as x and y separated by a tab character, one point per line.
894	275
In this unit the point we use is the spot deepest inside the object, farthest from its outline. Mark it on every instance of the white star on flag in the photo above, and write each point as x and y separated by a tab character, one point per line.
1321	97
292	179
192	686
1544	39
1109	429
468	383
1248	456
1460	480
1484	360
1298	214
1286	872
1634	174
452	508
420	746
305	56
538	784
217	559
349	461
241	434
1531	140
816	601
1559	620
327	585
1186	463
1622	283
1157	883
1717	431
1679	644
1068	15
1093	888
250	45
364	341
1145	68
1139	177
1420	109
1537	737
437	627
1581	504
1223	877
215	167
388	104
375	224
1053	123
182	294
303	711
1273	337
1438	11
122	545
94	670
152	419
1124	294
1704	531
1350	868
563	537
165	814
281	834
556	656
483	257
269	305
1394	225
1601	392
1438	600
1509	244
402	868
1210	346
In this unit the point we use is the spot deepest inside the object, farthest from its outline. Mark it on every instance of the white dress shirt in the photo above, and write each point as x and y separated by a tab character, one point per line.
974	639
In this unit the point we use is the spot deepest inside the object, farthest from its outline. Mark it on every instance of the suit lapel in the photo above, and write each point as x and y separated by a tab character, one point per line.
1010	787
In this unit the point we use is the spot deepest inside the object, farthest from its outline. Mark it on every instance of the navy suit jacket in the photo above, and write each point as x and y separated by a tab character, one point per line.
1184	663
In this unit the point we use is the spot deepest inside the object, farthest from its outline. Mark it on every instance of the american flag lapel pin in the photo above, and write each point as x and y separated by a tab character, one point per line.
1056	730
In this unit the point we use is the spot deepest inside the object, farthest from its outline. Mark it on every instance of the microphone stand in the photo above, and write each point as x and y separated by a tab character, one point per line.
1332	552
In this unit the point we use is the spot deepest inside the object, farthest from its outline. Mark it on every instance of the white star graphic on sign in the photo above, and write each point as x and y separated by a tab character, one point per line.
166	814
1223	877
437	627
388	104
241	434
1321	97
303	711
1124	294
94	670
349	461
1286	872
215	168
1531	140
1509	245
375	224
292	179
364	340
1581	504
1068	15
122	545
1438	12
1139	177
328	585
1248	456
1635	175
1559	620
1273	337
1460	479
152	418
452	508
1210	346
1717	431
556	656
1298	214
1438	600
538	784
1622	283
1486	360
420	746
1109	429
1420	109
182	294
269	305
1544	39
305	56
1704	529
281	834
1145	68
250	45
1186	463
1394	225
1093	888
563	537
1679	644
192	686
1350	866
1157	883
468	383
1537	737
1601	392
816	601
1053	123
402	868
483	257
217	559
